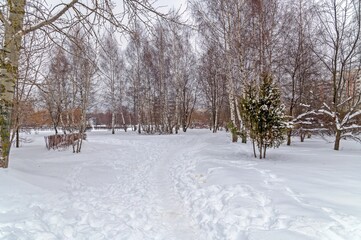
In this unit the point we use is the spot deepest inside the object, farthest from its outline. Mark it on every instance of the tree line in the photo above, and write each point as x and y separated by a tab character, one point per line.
310	49
71	62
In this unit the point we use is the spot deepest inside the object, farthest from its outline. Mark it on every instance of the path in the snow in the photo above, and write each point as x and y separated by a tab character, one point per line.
120	187
193	186
173	214
144	187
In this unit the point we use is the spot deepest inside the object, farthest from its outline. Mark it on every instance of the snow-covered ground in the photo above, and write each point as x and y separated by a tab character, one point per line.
195	185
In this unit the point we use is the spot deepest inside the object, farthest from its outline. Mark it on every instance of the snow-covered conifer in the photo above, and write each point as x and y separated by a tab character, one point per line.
263	115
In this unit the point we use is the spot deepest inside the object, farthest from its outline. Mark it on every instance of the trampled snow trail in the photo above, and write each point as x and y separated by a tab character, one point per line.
120	187
193	186
157	211
173	214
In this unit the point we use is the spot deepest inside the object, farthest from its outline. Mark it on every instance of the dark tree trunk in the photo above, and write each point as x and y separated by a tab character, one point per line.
254	149
17	144
337	140
289	134
264	151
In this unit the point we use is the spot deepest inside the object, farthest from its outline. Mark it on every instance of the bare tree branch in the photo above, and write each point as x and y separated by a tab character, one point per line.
4	20
52	19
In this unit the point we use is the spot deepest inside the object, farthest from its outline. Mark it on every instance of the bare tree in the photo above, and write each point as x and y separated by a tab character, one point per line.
298	67
245	33
161	69
212	85
55	90
112	75
338	48
134	71
49	19
83	71
215	21
182	74
32	62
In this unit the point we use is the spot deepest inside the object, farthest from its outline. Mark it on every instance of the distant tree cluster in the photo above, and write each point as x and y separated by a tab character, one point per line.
161	74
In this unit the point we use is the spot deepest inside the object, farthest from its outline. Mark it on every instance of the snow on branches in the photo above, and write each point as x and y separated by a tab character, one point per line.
263	115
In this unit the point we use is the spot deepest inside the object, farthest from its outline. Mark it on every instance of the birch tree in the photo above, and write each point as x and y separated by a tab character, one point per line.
182	71
83	70
161	74
55	90
228	17
12	24
112	75
244	32
32	62
299	69
133	56
212	85
161	69
58	18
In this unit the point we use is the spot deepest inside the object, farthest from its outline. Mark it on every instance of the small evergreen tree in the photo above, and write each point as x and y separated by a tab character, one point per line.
249	108
234	131
263	115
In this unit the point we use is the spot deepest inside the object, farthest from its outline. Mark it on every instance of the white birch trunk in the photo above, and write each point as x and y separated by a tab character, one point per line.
9	60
